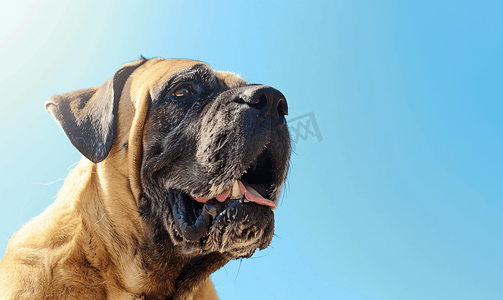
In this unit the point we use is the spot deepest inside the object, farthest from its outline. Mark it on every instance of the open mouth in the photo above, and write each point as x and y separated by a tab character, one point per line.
194	215
237	191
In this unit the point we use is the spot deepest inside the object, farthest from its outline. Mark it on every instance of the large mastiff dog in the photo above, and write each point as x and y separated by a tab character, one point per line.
182	168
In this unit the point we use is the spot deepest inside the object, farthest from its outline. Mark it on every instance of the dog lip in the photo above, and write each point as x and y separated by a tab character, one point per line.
190	229
249	192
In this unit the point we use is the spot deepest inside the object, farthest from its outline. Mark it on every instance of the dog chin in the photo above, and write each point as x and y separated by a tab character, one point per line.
236	227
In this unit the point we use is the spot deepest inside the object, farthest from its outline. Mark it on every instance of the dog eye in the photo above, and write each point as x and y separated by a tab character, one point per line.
183	92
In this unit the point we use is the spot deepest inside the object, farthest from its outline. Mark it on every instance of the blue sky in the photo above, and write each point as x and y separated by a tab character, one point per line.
401	199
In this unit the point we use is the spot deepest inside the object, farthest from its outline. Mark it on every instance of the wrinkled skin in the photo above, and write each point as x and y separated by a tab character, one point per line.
211	139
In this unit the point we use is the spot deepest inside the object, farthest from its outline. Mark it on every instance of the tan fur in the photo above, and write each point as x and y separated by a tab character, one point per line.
84	245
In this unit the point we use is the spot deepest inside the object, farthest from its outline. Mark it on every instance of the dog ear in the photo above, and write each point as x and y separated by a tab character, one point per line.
88	116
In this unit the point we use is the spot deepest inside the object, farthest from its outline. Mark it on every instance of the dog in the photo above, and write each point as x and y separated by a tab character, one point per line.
182	167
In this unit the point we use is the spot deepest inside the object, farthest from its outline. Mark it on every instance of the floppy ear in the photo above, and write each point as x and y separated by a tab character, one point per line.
88	116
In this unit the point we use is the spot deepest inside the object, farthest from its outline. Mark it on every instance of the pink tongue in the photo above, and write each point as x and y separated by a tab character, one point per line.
256	199
248	195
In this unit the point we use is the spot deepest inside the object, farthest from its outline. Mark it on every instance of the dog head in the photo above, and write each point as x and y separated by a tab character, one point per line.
205	153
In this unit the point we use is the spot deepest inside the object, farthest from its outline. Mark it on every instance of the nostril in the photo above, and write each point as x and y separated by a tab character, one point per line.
265	99
262	102
282	107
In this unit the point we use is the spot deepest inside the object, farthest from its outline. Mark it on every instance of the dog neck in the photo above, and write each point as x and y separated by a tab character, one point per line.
124	246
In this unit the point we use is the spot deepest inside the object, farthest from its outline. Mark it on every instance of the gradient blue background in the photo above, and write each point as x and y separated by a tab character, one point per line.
403	198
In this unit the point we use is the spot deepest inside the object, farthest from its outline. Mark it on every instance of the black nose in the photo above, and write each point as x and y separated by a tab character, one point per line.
266	99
